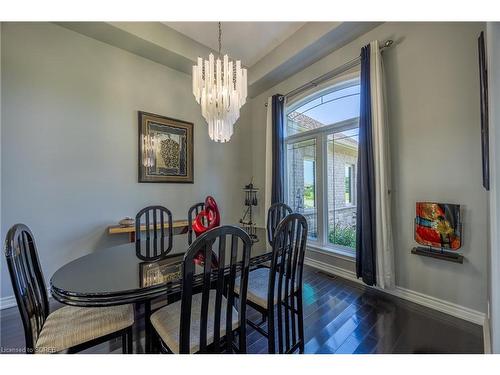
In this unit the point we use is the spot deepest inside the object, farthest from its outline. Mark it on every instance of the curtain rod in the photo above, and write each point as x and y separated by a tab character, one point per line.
332	73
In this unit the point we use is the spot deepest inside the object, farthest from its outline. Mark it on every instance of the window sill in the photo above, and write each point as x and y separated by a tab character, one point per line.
333	252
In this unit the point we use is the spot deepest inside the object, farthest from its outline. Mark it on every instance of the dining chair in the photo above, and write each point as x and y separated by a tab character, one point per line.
275	214
207	318
193	211
158	228
277	291
152	245
68	328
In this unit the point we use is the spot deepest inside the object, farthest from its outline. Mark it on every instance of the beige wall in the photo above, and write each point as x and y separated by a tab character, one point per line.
433	105
69	141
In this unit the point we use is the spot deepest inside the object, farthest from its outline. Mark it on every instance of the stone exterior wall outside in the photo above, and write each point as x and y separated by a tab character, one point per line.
341	152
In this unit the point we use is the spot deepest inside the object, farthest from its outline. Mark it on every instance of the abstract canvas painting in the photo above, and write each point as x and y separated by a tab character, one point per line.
438	225
165	149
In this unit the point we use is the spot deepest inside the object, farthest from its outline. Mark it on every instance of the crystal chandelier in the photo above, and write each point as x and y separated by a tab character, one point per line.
220	87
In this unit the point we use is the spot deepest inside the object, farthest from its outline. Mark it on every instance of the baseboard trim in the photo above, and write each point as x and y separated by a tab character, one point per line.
486	336
10	301
328	268
7	302
446	307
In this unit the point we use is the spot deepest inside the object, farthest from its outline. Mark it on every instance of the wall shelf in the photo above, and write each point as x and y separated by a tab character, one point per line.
437	254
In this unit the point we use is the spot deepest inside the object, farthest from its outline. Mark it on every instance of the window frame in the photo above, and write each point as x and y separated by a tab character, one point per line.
352	197
313	161
320	137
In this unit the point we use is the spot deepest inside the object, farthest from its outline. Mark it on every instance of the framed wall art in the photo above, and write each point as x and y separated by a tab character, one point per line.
483	82
165	149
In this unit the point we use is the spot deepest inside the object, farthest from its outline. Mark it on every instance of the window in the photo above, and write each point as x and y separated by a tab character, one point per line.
309	182
301	181
348	183
321	160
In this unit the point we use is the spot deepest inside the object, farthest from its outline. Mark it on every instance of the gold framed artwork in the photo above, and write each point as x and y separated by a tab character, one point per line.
165	149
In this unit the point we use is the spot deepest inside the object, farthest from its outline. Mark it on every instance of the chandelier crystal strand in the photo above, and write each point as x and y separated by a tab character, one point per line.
149	148
220	87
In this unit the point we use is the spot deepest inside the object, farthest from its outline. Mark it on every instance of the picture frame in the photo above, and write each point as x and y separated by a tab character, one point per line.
483	82
166	152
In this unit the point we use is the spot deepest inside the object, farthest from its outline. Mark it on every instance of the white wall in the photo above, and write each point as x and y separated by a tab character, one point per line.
69	141
493	49
433	104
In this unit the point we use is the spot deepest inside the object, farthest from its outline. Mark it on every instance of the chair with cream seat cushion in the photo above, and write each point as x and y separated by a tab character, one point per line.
166	322
208	316
258	283
68	328
276	292
71	326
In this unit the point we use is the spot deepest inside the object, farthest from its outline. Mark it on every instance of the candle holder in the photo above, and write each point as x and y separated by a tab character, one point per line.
247	220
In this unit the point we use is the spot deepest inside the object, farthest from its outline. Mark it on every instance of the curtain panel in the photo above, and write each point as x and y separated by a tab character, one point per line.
275	148
365	212
278	175
374	243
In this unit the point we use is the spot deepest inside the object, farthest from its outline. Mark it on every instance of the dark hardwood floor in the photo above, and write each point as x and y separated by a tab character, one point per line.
339	317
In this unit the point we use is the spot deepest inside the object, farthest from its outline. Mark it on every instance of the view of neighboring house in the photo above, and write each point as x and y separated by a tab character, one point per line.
342	156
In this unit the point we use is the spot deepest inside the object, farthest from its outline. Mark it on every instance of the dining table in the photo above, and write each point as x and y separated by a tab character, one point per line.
116	276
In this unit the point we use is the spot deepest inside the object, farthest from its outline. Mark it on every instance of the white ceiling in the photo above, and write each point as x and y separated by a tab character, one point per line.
245	41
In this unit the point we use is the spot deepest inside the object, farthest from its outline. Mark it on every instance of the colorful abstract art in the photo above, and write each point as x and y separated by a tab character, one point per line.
438	225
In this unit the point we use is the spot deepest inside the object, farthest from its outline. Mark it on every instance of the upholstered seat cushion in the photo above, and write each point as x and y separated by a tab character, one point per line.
70	326
166	322
258	283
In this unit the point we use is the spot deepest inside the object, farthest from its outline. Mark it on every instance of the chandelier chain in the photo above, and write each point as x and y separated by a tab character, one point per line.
220	37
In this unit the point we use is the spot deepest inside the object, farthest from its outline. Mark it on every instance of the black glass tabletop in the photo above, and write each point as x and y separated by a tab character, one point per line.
116	275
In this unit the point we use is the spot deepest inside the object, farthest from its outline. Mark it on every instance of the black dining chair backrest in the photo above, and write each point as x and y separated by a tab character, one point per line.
155	241
285	284
27	281
275	214
233	262
193	211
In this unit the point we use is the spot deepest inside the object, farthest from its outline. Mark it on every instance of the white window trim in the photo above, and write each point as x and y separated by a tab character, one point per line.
320	136
336	252
352	203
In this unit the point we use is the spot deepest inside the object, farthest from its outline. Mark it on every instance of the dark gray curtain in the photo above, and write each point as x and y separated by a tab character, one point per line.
365	211
278	178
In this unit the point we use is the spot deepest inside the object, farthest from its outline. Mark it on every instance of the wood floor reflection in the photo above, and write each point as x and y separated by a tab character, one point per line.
339	317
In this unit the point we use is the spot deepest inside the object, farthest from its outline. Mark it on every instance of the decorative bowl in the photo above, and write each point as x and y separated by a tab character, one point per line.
127	222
